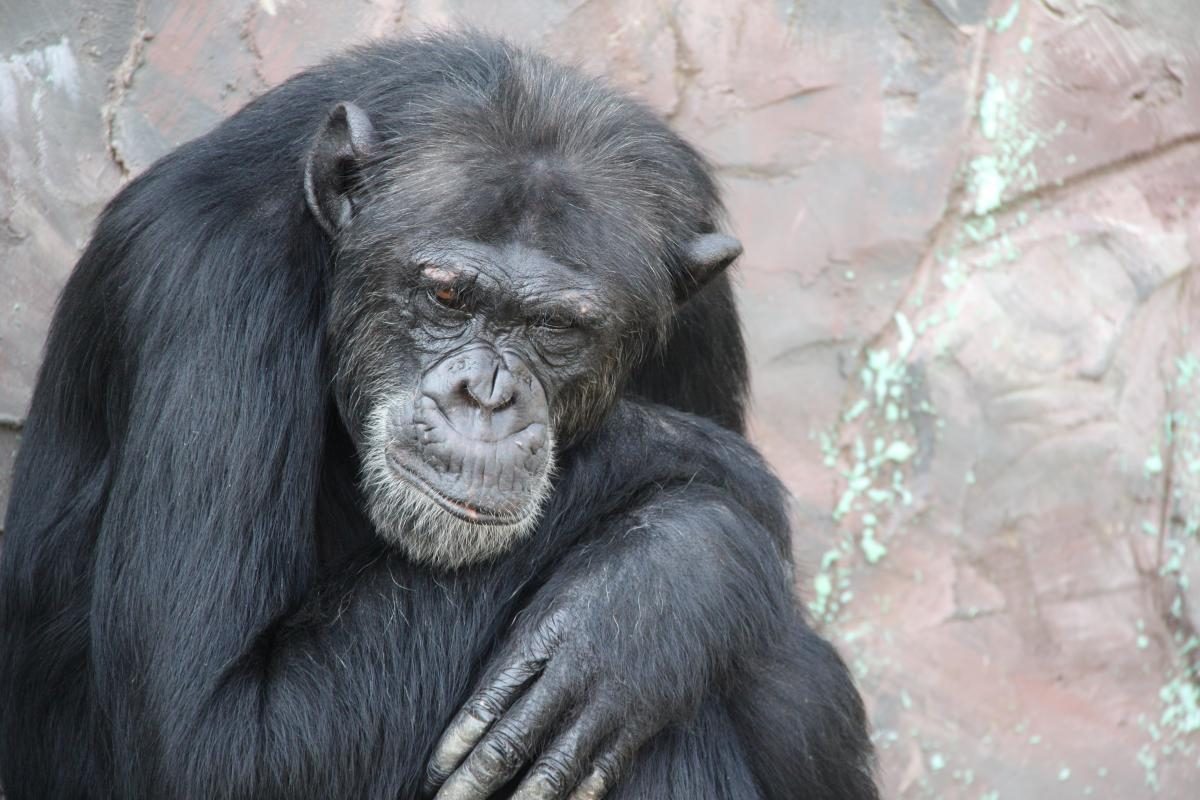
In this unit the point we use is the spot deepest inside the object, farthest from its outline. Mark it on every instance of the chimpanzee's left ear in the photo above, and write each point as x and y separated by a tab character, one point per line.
704	258
346	140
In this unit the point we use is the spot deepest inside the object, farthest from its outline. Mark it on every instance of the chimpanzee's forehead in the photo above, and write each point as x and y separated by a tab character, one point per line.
522	225
579	208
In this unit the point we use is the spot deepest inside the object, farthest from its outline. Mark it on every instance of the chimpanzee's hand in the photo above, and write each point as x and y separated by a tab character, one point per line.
547	699
632	633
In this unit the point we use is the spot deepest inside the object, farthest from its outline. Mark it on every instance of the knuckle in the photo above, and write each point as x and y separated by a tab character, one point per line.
603	776
458	740
522	671
499	754
462	786
606	770
593	787
435	776
553	773
486	706
491	700
535	789
545	641
554	628
541	639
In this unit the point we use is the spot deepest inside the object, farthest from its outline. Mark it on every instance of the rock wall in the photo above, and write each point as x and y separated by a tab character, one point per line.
970	290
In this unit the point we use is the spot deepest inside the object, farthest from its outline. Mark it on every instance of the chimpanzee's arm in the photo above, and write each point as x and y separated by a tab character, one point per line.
217	684
164	628
681	591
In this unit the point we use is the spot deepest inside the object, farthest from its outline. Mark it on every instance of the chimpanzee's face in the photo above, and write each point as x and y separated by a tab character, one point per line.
490	297
460	367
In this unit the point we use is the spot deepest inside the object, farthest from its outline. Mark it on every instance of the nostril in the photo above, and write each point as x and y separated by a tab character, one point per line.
476	396
466	393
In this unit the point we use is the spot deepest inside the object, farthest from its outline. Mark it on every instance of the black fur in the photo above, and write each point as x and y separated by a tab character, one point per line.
192	603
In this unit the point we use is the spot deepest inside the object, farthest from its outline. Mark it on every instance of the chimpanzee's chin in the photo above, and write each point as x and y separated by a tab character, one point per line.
428	533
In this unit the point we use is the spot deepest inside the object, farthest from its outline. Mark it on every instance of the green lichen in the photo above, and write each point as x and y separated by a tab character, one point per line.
877	446
991	107
1001	24
1146	758
823	587
856	410
1181	705
1012	140
873	551
1188	368
907	337
988	184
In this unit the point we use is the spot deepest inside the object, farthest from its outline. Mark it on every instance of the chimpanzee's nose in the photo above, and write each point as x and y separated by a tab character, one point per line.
485	394
491	392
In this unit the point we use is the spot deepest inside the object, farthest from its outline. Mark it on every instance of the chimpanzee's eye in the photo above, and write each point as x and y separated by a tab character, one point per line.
556	323
448	297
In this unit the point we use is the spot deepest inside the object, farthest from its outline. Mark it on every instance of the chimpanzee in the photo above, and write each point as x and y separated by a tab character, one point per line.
352	468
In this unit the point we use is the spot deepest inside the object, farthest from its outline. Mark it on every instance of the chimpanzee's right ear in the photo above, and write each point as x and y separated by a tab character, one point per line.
345	141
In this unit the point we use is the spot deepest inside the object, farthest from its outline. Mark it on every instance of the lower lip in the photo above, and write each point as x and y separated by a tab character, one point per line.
458	509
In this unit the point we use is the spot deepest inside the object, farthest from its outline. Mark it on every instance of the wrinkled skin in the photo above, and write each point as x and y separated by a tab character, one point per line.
459	433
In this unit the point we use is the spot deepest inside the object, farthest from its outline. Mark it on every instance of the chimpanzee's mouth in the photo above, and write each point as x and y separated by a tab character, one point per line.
460	509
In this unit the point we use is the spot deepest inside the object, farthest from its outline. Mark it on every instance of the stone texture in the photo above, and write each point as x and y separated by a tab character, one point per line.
970	291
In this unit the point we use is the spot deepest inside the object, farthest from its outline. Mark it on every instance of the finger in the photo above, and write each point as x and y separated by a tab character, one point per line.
508	745
469	725
607	768
561	765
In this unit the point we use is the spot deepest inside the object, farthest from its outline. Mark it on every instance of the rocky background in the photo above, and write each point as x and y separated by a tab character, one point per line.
971	293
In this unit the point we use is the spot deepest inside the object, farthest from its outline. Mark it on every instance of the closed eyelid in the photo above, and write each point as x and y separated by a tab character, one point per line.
464	279
439	274
562	318
579	310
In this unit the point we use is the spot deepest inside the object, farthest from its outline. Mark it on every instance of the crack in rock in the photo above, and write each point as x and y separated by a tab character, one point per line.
119	85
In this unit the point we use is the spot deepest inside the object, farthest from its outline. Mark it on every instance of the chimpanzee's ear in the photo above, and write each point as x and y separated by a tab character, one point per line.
346	139
704	258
